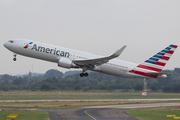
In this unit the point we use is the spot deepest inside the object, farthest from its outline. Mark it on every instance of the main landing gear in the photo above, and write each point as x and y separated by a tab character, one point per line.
84	74
14	57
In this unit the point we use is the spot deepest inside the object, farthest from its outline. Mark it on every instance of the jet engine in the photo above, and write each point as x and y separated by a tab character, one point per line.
66	63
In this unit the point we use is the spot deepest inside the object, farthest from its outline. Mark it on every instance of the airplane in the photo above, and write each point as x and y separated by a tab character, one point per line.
69	58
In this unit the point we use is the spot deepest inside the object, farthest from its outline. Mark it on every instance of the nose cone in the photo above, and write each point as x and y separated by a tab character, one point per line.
6	44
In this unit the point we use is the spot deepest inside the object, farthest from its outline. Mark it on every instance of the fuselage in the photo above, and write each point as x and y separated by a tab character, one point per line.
54	53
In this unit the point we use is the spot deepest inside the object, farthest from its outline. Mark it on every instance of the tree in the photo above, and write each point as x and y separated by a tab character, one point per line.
52	80
6	88
167	89
138	87
67	73
7	78
53	73
154	87
77	87
176	88
18	81
102	86
45	87
177	70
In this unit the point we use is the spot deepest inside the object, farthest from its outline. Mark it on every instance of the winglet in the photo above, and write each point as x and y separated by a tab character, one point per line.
118	52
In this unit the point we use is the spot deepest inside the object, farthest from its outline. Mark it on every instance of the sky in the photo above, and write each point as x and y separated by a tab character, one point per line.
94	26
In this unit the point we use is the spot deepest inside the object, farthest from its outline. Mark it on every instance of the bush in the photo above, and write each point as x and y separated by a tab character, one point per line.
86	88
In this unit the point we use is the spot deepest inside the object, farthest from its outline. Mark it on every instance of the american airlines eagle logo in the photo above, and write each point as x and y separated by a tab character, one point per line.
27	45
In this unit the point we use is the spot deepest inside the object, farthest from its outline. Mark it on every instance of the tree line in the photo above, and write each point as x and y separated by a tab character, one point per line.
55	80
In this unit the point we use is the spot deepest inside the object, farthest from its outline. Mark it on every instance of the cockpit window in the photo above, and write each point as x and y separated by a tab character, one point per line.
11	41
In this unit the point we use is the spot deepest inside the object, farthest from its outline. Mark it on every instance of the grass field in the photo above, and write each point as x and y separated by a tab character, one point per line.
25	115
39	95
158	113
144	114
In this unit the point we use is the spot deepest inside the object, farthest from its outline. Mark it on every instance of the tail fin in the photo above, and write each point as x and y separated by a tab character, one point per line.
156	63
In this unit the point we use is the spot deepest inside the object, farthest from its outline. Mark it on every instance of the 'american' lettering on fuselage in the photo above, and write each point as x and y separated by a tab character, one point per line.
50	51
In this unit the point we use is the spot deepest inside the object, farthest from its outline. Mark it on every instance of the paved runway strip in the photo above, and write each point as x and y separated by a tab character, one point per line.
87	100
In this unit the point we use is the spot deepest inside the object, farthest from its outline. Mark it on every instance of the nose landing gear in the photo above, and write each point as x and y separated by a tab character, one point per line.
14	57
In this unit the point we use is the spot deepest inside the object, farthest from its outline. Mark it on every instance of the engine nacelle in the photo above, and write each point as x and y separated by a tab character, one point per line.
162	76
66	63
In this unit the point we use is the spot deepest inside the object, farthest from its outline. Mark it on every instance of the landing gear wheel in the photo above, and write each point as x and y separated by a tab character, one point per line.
85	74
82	74
14	59
14	55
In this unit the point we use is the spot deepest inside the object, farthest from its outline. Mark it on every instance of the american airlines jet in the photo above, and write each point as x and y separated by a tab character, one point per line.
68	58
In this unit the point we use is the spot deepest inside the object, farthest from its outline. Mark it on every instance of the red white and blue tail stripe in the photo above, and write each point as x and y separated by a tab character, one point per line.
154	64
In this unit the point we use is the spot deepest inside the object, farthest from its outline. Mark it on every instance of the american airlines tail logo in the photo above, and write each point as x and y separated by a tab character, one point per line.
27	45
155	63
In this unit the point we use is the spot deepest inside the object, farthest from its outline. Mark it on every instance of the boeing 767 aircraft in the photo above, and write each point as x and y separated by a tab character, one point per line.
68	58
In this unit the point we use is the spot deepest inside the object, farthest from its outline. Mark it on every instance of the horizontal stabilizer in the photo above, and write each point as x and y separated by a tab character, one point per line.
161	73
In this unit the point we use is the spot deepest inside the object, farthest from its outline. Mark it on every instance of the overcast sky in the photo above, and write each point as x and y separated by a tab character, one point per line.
95	26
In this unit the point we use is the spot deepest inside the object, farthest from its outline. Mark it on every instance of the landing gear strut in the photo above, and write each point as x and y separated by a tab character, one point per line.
14	57
84	74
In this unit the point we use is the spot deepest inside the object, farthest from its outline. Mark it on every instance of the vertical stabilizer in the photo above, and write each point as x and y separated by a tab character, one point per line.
156	63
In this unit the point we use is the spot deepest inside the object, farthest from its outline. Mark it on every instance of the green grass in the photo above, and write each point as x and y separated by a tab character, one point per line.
158	113
25	115
38	95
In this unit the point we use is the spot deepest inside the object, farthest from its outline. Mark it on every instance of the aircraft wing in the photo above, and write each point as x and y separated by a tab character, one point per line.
90	63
